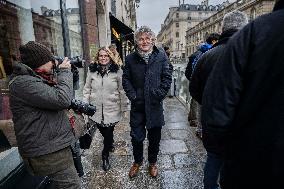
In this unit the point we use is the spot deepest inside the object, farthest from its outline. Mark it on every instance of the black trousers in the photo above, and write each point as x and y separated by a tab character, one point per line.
107	133
138	135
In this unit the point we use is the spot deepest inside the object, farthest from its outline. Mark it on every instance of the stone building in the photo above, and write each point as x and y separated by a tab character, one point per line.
252	8
74	28
123	23
178	20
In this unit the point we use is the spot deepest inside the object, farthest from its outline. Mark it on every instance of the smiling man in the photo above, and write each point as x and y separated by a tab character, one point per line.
146	81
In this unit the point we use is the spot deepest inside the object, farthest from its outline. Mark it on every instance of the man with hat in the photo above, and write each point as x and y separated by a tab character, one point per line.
39	104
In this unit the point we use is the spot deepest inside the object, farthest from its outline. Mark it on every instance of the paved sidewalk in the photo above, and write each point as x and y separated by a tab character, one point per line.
181	158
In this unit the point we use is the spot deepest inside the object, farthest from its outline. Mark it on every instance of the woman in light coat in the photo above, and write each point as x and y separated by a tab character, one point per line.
103	89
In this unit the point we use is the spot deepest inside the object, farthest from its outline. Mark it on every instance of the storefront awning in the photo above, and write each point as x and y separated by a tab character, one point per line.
119	30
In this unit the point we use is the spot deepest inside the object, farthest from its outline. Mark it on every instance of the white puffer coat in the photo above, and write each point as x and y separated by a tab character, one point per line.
106	93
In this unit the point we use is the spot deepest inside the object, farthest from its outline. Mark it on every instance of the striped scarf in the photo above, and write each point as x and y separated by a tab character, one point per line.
145	55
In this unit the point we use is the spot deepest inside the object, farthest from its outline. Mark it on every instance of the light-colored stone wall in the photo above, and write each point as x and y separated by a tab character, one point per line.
126	12
103	9
253	8
178	20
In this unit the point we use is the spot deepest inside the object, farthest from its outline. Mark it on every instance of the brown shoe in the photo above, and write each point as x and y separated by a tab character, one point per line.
153	170
134	170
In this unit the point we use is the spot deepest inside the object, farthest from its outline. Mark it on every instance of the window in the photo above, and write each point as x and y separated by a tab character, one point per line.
177	24
177	15
177	34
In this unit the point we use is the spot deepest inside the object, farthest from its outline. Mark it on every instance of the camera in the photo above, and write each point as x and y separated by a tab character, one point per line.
83	107
75	61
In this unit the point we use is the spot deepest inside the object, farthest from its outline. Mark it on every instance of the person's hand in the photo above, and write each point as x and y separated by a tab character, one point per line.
65	64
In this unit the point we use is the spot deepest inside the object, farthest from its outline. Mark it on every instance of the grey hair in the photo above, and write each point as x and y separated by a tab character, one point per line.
234	20
144	29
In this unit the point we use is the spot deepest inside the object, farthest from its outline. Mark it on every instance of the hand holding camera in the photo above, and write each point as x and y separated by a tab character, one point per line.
65	64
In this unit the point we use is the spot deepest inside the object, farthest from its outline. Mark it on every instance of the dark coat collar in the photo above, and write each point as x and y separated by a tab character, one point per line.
98	68
225	36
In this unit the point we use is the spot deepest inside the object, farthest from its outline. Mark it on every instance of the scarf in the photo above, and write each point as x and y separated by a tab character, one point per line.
46	76
145	55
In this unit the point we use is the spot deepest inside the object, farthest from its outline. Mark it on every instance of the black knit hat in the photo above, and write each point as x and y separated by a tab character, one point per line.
34	54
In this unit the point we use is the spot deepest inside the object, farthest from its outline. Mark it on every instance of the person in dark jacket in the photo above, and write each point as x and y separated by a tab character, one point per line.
194	106
243	105
39	106
146	81
232	22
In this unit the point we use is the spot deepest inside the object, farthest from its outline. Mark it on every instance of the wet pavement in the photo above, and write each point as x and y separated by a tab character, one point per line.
180	161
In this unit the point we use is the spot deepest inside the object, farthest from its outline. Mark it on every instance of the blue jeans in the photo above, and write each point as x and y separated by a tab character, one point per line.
213	168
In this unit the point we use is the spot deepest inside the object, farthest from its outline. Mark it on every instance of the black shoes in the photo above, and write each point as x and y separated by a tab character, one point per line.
112	148
106	165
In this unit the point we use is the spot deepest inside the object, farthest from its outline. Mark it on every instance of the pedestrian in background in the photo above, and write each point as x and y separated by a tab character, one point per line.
146	81
103	89
243	102
195	109
172	89
38	104
115	55
231	23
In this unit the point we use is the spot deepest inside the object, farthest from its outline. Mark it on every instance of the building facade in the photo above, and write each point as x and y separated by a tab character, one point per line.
252	8
180	19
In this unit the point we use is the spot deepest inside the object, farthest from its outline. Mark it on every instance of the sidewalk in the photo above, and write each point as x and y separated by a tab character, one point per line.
181	158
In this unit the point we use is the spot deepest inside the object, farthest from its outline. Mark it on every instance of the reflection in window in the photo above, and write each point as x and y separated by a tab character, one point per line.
74	25
47	25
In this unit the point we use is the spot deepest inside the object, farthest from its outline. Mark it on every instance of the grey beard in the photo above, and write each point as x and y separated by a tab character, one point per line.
145	55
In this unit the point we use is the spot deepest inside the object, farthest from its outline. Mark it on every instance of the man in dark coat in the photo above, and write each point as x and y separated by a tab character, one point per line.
232	22
194	111
146	81
39	104
243	104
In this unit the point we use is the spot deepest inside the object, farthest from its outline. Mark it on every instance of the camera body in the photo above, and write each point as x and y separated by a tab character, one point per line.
83	107
75	61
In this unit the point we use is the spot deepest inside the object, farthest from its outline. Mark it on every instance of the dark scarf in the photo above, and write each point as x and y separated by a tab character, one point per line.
49	78
111	67
225	36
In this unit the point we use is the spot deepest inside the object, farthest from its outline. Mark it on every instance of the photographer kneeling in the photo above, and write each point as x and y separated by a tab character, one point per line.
39	104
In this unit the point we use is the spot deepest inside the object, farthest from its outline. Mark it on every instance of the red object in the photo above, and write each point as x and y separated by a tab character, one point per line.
72	121
5	112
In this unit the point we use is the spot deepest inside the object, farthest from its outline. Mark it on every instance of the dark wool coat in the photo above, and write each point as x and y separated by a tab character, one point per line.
205	65
39	111
243	105
147	84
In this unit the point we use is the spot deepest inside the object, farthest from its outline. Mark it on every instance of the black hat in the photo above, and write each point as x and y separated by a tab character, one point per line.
34	54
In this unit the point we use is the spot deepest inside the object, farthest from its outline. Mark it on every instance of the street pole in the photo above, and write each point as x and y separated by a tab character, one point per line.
65	30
